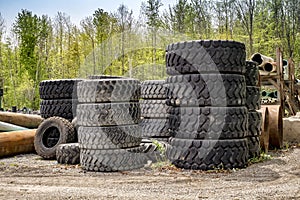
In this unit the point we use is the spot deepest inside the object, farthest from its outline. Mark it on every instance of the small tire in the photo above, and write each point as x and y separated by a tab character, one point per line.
68	154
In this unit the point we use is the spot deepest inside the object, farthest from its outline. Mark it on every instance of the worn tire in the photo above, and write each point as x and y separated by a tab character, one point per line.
206	90
114	137
208	154
154	128
65	108
58	89
254	124
51	133
214	56
108	114
254	147
153	89
68	154
154	108
111	159
253	101
252	73
108	90
208	122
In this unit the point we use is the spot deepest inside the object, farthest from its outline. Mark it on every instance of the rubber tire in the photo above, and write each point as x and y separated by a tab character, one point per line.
153	89
253	101
108	90
111	160
208	122
114	137
65	108
155	128
58	89
254	124
66	133
154	108
206	90
213	56
254	147
68	154
208	154
252	73
108	114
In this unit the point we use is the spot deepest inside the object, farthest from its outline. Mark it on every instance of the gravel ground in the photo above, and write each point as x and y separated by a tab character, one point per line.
30	177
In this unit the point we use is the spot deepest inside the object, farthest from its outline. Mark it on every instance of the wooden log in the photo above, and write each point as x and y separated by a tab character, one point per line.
5	127
16	142
24	120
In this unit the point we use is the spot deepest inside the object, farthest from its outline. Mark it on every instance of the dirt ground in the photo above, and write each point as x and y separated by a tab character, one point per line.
30	177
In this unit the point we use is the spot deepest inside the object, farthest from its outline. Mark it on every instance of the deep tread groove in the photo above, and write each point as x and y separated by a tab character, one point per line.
68	154
65	108
153	89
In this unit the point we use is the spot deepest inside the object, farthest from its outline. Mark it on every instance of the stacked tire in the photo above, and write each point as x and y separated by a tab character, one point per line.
154	111
108	117
253	103
206	92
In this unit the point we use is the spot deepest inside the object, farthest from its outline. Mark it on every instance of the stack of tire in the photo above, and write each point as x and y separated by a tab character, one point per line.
154	112
108	117
253	103
206	92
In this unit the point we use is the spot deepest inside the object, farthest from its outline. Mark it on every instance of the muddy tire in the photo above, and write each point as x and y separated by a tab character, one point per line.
153	89
114	137
50	134
252	73
253	101
154	108
214	56
208	154
65	108
154	128
206	90
254	124
68	154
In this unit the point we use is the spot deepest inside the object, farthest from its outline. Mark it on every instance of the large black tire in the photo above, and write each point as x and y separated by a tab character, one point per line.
114	137
254	124
253	101
58	89
108	114
153	89
252	73
68	154
108	90
154	108
208	154
214	56
206	90
155	128
254	147
65	108
51	133
111	159
208	122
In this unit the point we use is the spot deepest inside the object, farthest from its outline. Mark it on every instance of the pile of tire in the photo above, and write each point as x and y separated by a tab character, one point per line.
154	111
206	92
253	103
108	116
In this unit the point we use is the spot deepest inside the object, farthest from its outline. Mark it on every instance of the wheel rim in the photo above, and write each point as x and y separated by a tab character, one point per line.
51	137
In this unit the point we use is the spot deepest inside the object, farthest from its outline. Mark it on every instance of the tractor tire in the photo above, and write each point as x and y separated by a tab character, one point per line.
254	147
252	73
254	124
65	108
68	154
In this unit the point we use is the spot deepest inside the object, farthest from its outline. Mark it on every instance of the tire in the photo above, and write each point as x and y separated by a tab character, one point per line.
108	90
208	122
153	89
252	73
111	160
50	134
108	114
155	128
206	90
208	154
65	108
154	109
254	124
58	89
68	154
214	56
253	101
114	137
254	147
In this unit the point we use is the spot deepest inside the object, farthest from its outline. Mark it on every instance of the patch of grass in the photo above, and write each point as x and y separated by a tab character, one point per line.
261	158
14	165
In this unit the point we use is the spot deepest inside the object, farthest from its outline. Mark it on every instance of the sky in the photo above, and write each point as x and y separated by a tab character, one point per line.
76	9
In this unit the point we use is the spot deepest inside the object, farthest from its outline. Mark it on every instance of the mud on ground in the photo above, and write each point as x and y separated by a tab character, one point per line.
30	177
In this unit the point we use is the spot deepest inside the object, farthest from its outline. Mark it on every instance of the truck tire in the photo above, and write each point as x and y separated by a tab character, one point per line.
68	154
153	89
